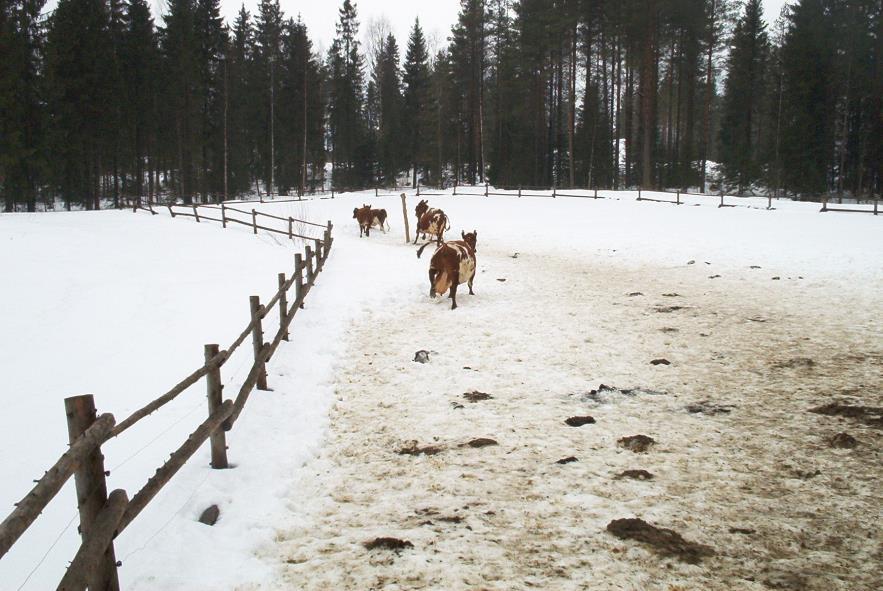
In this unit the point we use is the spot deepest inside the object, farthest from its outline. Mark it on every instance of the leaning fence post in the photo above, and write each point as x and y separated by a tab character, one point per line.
214	391
195	213
290	223
308	255
257	339
91	488
298	279
405	215
283	306
318	244
254	220
223	214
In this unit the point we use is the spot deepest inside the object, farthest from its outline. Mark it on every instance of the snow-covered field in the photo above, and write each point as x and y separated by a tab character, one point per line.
119	304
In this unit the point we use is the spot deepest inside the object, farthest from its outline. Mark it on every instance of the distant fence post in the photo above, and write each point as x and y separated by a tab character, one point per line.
455	188
678	198
215	393
283	306
195	213
257	339
485	189
254	220
875	206
308	255
418	189
639	193
223	214
519	191
91	488
824	205
405	215
328	231
769	201
290	224
722	199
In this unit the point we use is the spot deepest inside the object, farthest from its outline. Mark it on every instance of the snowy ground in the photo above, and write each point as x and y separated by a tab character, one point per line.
318	473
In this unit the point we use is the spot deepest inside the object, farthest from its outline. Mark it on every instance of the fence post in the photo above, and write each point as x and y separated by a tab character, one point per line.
824	205
330	239
678	198
769	201
722	200
405	215
376	192
554	192
223	214
875	206
254	220
195	213
639	193
318	244
519	191
283	306
290	223
298	279
418	189
596	192
257	339
91	487
171	211
308	256
485	189
215	392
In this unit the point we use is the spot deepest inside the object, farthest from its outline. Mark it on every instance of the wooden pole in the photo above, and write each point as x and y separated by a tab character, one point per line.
298	277
283	306
554	192
29	508
485	189
596	192
722	200
330	239
215	391
678	201
639	193
519	191
91	489
195	213
87	561
405	215
318	247
290	223
254	220
223	214
308	256
257	339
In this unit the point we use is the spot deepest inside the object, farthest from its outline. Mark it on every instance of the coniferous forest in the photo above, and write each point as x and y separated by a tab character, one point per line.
101	104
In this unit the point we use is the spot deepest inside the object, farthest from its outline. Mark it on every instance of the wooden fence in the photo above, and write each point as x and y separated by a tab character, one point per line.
104	516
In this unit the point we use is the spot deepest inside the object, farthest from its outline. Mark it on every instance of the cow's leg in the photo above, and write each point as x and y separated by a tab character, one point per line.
470	283
367	231
454	295
432	283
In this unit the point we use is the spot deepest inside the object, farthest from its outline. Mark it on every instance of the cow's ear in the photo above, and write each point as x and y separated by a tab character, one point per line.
463	234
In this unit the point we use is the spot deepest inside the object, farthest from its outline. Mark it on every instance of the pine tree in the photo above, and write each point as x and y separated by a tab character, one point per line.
741	122
468	46
416	100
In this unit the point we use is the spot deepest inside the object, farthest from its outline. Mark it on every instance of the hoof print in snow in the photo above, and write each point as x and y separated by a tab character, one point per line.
795	363
870	415
412	449
741	530
515	256
660	361
667	309
776	278
843	441
394	544
713	276
634	475
567	460
691	262
636	443
635	294
421	356
580	421
706	407
754	267
210	515
501	279
671	295
457	406
481	442
665	542
668	329
476	396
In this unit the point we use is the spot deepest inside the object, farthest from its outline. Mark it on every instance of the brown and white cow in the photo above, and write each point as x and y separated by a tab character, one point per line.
452	264
378	219
430	221
365	218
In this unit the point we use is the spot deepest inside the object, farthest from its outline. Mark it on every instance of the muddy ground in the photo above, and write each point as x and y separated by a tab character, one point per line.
738	465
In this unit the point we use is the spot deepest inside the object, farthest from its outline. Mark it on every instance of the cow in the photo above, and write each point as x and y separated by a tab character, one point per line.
430	221
365	218
378	219
452	264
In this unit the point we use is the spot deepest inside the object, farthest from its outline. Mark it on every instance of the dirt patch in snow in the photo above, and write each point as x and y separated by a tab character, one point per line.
636	443
663	541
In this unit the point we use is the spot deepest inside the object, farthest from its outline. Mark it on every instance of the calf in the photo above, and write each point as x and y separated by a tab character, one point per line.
378	219
365	218
452	264
430	221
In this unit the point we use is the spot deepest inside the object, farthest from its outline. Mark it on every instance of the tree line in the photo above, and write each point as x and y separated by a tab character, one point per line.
99	104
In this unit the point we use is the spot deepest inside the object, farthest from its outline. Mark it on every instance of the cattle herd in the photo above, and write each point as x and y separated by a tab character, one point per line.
453	262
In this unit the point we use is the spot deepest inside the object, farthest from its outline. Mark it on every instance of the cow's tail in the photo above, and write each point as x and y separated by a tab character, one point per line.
420	250
386	220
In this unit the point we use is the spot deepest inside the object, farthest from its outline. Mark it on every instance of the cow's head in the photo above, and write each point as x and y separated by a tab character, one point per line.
471	239
421	207
355	212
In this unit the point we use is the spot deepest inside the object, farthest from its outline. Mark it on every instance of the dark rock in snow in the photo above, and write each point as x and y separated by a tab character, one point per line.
663	541
481	442
634	475
635	294
660	361
741	530
713	276
421	356
843	441
636	443
671	295
691	262
567	460
580	421
776	278
501	279
394	544
210	515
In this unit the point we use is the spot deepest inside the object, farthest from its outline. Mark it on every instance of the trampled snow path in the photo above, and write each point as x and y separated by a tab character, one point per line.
509	517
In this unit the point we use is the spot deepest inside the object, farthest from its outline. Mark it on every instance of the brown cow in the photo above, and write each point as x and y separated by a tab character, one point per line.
378	219
364	216
430	221
452	264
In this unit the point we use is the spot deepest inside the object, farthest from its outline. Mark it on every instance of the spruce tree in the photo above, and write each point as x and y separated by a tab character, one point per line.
416	100
391	155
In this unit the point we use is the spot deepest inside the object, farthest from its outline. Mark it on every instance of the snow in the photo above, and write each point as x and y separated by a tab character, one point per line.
316	470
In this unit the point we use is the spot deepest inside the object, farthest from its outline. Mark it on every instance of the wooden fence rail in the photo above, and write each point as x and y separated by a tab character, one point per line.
103	516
